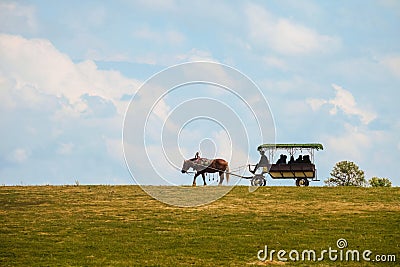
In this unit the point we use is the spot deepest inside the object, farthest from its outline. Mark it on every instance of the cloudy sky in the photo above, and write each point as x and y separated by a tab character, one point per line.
329	70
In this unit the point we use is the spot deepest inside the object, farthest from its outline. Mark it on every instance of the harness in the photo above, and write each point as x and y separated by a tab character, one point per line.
201	164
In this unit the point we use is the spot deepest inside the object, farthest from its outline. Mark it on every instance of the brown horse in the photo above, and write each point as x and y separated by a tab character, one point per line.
203	166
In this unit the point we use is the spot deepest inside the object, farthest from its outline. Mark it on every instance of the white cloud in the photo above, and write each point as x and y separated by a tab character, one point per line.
161	110
352	144
16	17
171	37
345	102
392	5
65	148
69	106
175	58
392	63
316	104
97	16
368	148
276	63
283	35
36	68
196	55
19	155
223	144
115	149
97	55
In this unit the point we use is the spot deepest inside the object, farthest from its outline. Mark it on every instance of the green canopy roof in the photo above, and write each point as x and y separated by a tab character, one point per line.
313	146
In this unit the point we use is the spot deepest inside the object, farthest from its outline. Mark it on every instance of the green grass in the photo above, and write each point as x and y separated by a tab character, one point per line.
123	226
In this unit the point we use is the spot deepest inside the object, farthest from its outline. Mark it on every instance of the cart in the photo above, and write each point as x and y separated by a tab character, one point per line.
301	169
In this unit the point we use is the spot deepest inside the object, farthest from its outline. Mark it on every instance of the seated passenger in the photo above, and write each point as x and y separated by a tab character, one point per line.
282	159
291	160
279	161
299	159
306	159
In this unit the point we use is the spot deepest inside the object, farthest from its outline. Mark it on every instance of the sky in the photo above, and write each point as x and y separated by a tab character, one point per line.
328	70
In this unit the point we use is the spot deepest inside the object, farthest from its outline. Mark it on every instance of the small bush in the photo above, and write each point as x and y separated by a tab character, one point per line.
380	182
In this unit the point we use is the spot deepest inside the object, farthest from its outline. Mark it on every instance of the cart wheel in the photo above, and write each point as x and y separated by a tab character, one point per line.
302	182
258	180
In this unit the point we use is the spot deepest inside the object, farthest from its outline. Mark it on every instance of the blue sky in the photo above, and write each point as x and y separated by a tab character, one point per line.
330	71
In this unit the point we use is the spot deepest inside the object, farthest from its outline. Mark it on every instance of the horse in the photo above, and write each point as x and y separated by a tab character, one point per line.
202	166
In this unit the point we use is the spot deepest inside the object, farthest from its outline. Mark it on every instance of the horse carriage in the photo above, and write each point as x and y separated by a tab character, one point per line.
302	169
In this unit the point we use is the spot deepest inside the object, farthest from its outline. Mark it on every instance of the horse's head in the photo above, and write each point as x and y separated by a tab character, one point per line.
186	165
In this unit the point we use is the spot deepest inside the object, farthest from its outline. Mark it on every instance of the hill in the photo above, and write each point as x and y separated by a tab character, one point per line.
123	226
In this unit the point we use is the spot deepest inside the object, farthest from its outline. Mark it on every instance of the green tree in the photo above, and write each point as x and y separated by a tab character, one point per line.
380	182
346	173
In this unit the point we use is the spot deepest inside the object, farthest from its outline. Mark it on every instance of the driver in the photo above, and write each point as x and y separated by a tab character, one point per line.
264	162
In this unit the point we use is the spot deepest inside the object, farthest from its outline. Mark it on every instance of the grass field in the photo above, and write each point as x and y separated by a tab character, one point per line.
123	226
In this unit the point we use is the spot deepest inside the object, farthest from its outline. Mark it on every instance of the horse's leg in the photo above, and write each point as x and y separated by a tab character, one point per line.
204	178
194	179
221	178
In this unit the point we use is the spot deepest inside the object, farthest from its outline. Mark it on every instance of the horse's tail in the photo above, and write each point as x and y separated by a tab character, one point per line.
227	173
